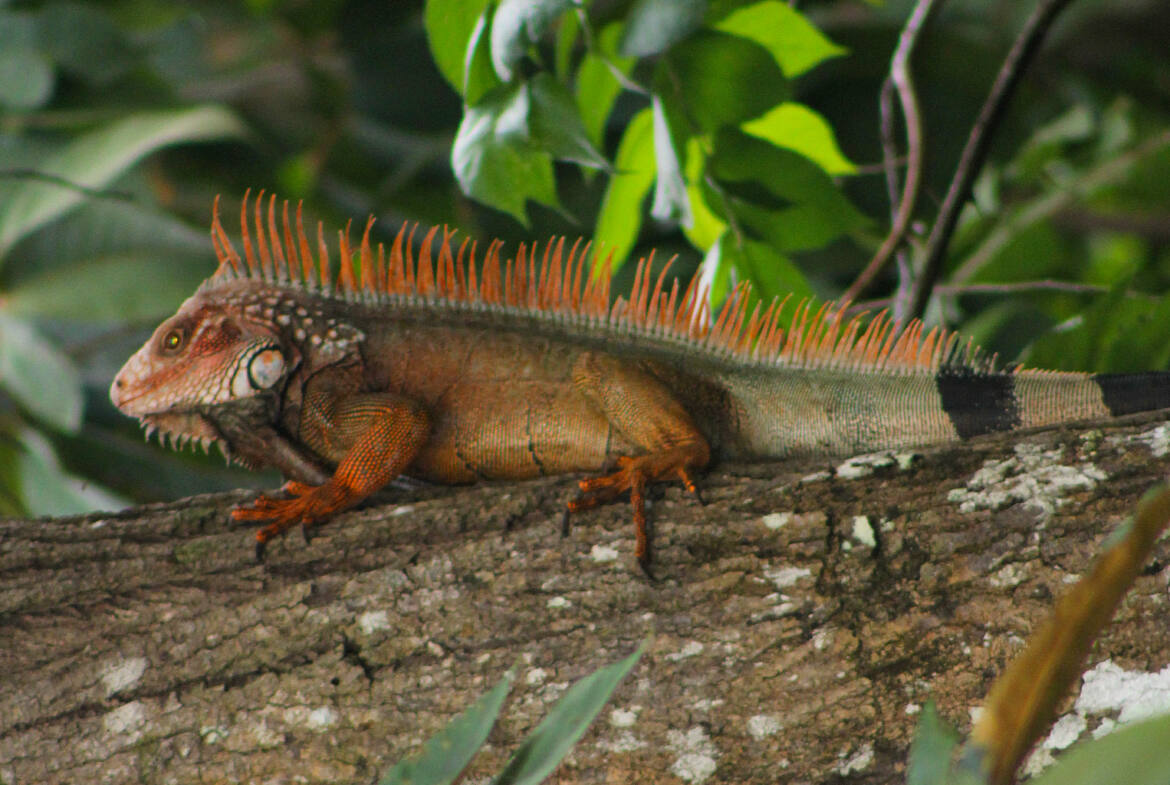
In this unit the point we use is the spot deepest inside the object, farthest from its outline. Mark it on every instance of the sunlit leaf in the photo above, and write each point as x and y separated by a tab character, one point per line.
792	40
37	375
449	25
653	26
802	130
620	217
1117	333
670	190
493	158
565	723
596	86
450	750
516	25
96	158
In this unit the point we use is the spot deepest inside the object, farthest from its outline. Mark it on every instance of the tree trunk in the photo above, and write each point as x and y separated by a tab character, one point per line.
798	622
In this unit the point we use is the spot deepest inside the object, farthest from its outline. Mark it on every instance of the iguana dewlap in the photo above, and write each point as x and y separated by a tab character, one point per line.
452	371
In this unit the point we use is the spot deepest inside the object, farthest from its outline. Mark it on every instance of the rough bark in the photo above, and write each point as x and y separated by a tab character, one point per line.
798	621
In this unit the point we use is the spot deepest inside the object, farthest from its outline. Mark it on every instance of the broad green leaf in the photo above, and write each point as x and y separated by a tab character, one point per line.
653	26
811	210
493	159
707	225
802	130
568	32
449	25
597	87
556	127
95	159
137	286
792	40
479	76
566	722
770	273
47	489
708	72
450	750
930	752
1116	334
1136	754
26	78
670	190
38	376
516	25
620	217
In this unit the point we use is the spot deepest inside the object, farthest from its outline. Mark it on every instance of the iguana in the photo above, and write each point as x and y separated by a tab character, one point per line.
438	367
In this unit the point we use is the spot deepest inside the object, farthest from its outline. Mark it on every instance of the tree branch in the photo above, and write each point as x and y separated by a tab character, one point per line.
1026	45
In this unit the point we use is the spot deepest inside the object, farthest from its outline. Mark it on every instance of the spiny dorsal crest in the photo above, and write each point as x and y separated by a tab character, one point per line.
569	289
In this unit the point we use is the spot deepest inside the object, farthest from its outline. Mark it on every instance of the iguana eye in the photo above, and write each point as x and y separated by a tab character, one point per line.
174	340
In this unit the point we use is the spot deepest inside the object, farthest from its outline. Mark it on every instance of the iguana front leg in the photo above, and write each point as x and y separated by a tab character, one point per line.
643	410
373	437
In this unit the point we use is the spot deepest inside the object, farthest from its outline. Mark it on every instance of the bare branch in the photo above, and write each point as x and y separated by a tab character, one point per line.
975	152
901	207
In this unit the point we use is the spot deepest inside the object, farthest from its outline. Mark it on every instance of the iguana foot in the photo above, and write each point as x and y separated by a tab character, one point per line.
308	505
633	474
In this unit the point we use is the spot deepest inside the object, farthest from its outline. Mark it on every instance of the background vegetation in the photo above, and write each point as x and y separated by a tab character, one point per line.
745	133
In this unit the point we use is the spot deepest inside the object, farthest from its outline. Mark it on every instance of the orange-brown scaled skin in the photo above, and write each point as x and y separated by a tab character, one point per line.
453	370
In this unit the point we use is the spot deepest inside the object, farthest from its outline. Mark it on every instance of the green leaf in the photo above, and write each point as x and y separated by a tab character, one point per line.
1116	334
493	159
770	273
653	26
38	376
544	748
450	750
792	40
47	489
137	286
707	73
706	225
597	87
620	217
800	129
479	76
930	752
813	211
557	128
1136	754
670	190
26	78
95	159
518	24
449	25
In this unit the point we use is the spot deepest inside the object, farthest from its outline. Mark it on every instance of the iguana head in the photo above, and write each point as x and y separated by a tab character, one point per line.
206	359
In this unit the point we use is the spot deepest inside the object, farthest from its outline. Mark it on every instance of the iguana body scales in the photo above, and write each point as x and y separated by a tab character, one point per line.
440	368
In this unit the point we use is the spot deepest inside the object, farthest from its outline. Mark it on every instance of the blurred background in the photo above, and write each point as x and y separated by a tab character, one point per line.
121	121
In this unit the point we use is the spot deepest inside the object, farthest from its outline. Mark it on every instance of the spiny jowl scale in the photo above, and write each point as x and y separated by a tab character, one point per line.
575	289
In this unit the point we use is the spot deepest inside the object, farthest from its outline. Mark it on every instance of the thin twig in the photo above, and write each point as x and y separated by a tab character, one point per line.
978	141
901	207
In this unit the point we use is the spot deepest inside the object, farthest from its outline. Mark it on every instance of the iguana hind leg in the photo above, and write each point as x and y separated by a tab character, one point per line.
643	410
372	436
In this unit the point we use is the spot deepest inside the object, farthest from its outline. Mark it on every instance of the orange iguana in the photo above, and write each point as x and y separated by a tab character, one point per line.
449	371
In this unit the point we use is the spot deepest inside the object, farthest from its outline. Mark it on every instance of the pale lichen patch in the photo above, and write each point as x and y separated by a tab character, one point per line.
603	553
127	720
858	761
1033	477
123	674
689	649
761	726
372	621
777	520
697	754
783	577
